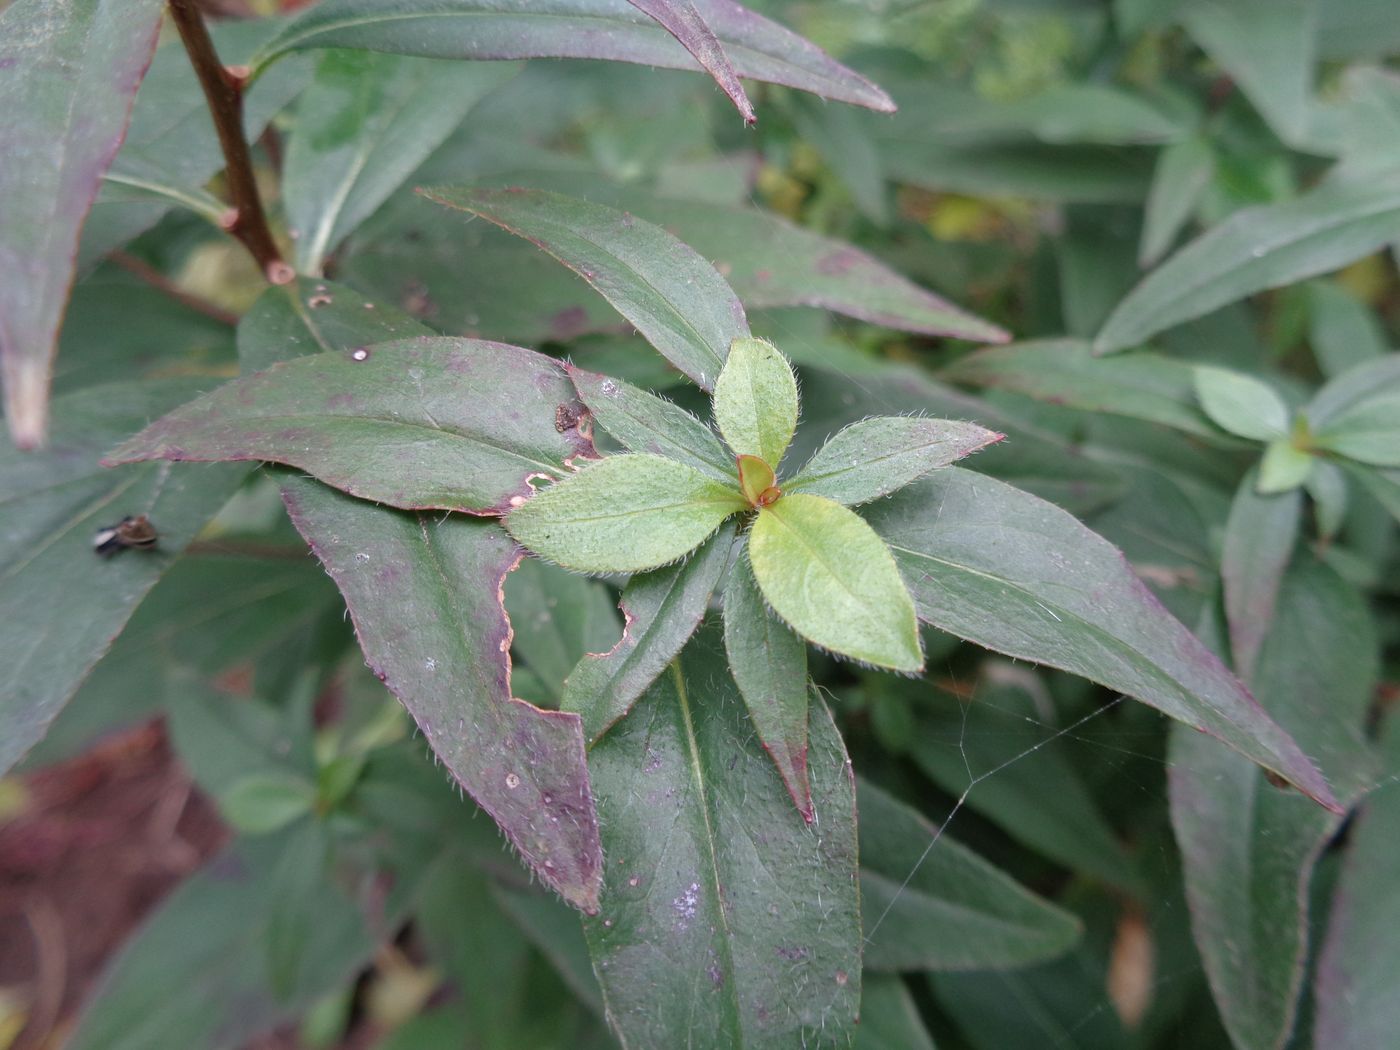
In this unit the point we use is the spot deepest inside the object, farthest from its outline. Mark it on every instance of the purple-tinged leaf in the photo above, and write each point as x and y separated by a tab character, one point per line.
661	609
769	664
1259	538
1248	848
452	424
1008	571
601	29
672	296
684	22
725	917
875	457
69	70
424	592
1357	1008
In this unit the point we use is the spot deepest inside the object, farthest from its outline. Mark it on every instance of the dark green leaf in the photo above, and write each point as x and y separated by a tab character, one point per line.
68	75
1248	848
726	920
955	911
662	609
878	456
603	29
557	616
1342	330
60	603
1089	174
424	594
363	126
625	513
456	424
683	20
1017	575
1184	170
669	292
889	1018
769	664
1258	248
643	422
1258	543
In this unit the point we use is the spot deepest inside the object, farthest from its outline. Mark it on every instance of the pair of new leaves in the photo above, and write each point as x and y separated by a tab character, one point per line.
818	565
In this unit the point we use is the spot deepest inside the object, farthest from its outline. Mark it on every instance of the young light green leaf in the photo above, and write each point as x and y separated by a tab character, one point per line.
68	76
643	422
453	424
1240	403
1184	170
875	457
769	664
755	401
624	514
1013	573
1283	467
1259	538
263	802
727	921
957	911
833	580
367	121
1357	414
1327	485
600	29
1258	248
669	292
662	609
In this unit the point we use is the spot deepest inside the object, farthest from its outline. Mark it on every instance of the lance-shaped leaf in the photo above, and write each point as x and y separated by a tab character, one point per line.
1357	414
60	604
755	401
1259	538
1249	849
944	908
363	126
643	422
669	292
833	580
455	424
624	514
1011	572
1241	403
1184	170
602	29
769	664
68	76
662	609
1258	248
875	457
726	919
1357	1008
1138	385
424	592
683	20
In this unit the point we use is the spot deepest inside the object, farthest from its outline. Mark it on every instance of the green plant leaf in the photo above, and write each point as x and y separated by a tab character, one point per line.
662	609
213	930
1184	170
683	20
556	617
833	580
1240	403
1139	385
1259	538
757	481
1258	248
624	514
424	594
755	401
754	914
889	1017
264	802
957	912
1071	174
455	424
875	457
769	664
667	290
1342	331
1357	414
1248	849
1008	571
60	603
68	75
1283	467
643	422
365	123
601	29
1356	1009
1327	486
